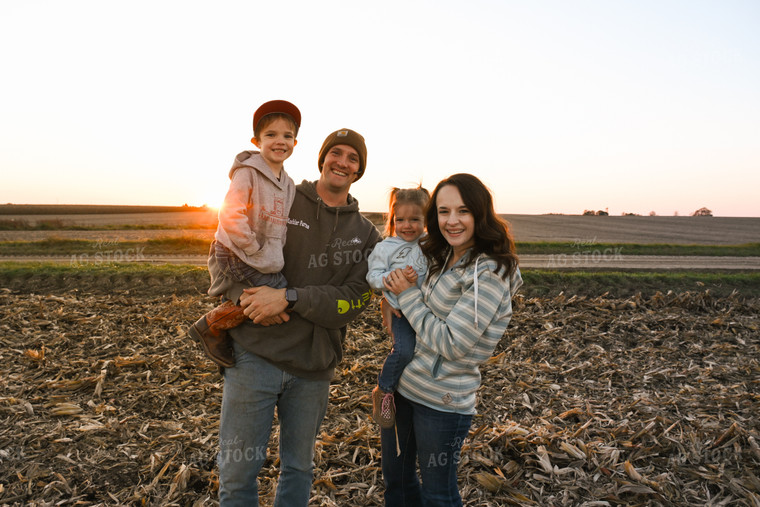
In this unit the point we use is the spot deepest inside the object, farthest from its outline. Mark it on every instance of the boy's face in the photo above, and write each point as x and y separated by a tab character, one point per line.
276	142
341	167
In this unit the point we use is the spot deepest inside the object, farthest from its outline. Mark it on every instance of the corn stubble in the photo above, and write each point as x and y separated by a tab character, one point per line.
586	401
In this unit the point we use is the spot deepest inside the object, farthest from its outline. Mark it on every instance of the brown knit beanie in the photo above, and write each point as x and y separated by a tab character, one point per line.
350	138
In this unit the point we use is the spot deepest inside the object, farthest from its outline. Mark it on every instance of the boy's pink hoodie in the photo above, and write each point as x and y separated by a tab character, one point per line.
254	216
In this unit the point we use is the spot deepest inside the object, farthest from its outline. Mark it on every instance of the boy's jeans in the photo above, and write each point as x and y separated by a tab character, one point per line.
252	389
239	271
404	341
431	438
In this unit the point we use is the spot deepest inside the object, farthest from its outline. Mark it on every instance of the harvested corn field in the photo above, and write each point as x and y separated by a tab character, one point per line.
587	401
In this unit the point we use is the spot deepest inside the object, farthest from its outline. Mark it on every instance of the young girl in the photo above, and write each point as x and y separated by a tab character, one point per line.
400	249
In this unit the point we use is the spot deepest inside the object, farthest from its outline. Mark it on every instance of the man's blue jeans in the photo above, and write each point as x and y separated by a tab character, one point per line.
433	438
252	389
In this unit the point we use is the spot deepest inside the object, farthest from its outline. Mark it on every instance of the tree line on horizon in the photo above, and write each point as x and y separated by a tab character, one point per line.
701	212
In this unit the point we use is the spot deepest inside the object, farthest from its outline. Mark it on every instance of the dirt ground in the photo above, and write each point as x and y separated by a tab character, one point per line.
636	229
586	401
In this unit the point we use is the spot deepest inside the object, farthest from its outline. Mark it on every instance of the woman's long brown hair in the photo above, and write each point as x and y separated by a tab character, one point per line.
492	234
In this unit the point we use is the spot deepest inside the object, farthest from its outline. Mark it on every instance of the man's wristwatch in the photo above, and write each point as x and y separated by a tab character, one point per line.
291	296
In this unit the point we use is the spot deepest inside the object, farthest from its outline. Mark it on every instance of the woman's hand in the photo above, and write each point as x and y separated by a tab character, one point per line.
396	282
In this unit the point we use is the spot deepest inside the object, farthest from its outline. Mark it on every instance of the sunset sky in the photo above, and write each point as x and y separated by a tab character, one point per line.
558	106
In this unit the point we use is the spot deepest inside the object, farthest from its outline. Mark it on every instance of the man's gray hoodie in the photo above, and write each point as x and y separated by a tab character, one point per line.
326	262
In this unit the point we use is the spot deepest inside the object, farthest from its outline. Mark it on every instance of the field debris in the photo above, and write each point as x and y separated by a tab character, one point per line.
586	401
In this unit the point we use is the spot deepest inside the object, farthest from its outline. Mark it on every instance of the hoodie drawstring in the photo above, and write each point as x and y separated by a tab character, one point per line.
430	285
320	205
476	291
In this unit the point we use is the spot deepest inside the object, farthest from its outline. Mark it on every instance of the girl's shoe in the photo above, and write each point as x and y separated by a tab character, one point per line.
383	408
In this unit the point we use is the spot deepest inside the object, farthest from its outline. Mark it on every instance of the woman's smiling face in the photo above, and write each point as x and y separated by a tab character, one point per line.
455	220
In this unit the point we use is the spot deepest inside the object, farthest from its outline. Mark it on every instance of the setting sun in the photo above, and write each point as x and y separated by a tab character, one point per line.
212	194
212	205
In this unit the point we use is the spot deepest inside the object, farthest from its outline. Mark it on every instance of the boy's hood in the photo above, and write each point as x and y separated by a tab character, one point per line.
253	160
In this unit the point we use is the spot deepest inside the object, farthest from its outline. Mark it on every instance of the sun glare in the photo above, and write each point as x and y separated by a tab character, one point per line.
214	207
212	198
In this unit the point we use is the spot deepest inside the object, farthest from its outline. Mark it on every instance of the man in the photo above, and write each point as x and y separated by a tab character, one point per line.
286	357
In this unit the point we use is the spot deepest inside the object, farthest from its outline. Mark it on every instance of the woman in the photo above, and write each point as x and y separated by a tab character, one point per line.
460	314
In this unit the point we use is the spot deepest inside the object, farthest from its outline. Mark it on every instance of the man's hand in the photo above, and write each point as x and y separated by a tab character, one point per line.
265	305
277	319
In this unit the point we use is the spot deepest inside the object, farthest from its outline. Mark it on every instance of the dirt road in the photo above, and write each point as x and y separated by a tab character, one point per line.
600	261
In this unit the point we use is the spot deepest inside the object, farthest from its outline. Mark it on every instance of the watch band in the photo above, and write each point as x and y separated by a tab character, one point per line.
291	296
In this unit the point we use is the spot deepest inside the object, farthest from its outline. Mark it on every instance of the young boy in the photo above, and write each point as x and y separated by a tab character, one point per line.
250	236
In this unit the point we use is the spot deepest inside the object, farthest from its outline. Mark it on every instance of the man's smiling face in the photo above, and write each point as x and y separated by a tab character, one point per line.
341	167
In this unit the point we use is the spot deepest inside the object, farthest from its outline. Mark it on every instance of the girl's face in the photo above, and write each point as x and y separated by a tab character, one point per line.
455	220
409	221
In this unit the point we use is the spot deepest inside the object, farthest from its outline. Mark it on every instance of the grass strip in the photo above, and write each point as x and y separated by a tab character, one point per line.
106	250
41	269
538	283
623	283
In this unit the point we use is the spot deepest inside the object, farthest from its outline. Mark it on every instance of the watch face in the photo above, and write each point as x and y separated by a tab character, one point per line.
291	296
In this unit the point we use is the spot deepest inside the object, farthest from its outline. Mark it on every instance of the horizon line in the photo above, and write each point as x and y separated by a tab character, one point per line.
186	206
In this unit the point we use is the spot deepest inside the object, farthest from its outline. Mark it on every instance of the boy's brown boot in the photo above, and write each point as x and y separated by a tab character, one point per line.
211	331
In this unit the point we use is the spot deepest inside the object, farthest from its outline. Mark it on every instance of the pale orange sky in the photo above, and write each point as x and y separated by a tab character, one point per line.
558	106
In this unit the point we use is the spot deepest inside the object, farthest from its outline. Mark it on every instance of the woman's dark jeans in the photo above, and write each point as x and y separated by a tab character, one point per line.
432	438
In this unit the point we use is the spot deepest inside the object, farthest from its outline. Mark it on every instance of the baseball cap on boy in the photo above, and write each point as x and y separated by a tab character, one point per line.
350	138
277	106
